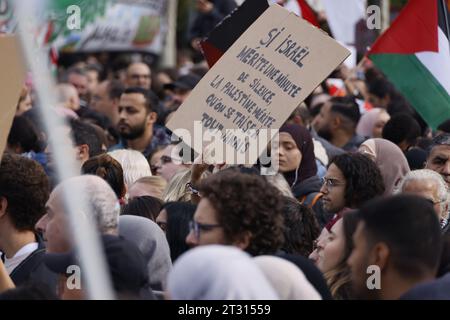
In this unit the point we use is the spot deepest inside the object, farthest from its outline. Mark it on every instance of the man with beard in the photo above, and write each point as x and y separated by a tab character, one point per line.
439	156
137	116
397	246
337	123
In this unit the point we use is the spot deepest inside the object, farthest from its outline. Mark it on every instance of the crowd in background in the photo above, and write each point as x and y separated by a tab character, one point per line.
362	182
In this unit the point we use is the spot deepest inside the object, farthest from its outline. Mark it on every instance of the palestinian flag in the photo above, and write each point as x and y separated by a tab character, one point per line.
234	25
414	54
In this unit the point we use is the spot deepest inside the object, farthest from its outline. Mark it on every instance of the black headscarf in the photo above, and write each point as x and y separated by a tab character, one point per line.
303	140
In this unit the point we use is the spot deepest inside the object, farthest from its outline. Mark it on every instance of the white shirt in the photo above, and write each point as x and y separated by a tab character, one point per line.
22	254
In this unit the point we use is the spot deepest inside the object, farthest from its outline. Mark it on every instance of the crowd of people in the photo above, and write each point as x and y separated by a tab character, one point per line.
359	207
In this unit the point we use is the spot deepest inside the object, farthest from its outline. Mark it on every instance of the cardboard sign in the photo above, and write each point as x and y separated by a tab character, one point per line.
275	64
12	79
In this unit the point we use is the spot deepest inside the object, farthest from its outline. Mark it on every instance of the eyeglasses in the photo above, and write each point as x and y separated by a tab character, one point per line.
331	183
433	202
138	76
199	227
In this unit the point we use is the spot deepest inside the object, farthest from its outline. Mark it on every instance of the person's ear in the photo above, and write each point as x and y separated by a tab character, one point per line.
386	100
243	241
3	206
115	103
83	152
152	117
380	255
72	103
336	122
298	120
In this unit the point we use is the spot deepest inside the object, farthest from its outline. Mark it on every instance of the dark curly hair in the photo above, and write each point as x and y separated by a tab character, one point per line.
363	178
107	168
246	203
300	228
26	188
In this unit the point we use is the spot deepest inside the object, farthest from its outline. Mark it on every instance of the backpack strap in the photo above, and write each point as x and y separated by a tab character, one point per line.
315	198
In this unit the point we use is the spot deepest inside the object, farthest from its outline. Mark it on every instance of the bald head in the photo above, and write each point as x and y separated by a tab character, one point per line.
68	96
98	196
139	75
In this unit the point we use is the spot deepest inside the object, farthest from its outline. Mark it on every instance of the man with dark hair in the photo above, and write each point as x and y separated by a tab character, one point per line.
350	181
106	97
85	139
400	239
444	127
403	130
139	75
24	189
337	123
239	209
301	228
137	116
439	156
93	74
179	90
78	78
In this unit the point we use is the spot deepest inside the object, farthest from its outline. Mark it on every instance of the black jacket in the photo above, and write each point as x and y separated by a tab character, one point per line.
438	289
305	192
33	269
206	22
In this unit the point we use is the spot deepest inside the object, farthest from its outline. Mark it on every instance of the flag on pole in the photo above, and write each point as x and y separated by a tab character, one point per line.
307	13
235	24
414	54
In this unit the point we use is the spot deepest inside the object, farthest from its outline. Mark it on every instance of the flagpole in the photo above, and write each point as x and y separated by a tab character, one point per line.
445	13
86	240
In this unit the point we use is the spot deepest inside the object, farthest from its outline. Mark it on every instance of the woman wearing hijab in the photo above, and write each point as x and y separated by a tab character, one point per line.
288	281
389	159
217	272
372	123
152	243
297	163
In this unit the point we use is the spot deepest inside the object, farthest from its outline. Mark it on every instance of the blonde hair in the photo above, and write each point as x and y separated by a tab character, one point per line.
176	188
338	280
155	181
133	163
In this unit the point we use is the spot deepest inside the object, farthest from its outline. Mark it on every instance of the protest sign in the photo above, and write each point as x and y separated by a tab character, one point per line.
12	79
258	82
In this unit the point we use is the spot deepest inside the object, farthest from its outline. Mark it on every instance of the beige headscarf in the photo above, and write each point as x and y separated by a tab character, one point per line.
390	160
287	279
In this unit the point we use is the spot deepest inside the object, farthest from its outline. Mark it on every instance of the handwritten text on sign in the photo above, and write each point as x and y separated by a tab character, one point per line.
261	79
